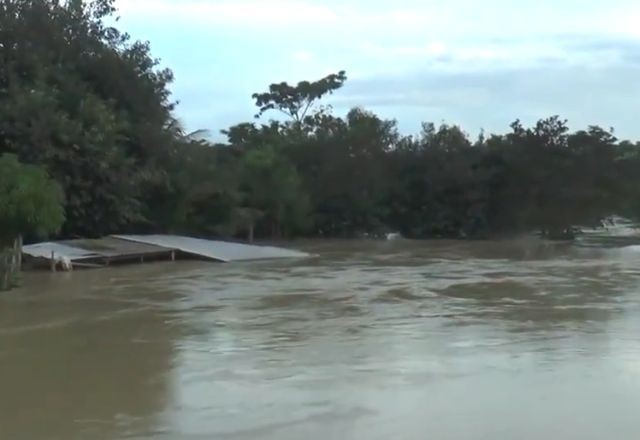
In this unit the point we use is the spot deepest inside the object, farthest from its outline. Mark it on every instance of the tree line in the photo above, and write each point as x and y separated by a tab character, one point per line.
92	109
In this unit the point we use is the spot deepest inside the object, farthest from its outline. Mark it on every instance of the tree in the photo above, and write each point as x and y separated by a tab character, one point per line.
272	188
92	108
78	97
362	177
296	101
439	191
30	202
550	180
363	180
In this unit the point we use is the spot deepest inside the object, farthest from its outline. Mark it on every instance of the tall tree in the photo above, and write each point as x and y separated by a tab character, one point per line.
296	101
80	98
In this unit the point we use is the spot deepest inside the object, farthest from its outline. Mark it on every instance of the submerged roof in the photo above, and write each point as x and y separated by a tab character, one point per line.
124	246
92	249
46	249
215	250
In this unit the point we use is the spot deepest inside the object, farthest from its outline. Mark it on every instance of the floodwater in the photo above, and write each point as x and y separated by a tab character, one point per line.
367	340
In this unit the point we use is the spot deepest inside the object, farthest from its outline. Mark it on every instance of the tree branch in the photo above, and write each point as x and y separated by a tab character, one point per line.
306	109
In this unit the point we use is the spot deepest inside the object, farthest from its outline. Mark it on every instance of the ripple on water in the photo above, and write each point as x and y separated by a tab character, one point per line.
496	290
397	295
287	300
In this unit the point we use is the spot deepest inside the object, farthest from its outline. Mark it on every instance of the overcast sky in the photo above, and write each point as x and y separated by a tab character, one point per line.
480	64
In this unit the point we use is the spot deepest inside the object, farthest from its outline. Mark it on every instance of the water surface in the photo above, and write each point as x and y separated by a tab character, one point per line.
367	340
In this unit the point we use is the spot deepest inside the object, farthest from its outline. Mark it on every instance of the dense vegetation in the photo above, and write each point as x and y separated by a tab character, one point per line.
82	100
31	203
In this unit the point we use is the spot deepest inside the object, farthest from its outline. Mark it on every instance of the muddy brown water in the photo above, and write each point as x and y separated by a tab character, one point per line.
367	340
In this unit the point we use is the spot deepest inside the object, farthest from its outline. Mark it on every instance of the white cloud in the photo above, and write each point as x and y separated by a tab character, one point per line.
494	99
263	13
302	55
399	34
519	43
431	49
491	18
454	17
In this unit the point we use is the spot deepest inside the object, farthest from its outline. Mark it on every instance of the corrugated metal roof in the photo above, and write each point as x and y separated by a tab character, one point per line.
215	250
44	250
122	246
112	247
102	248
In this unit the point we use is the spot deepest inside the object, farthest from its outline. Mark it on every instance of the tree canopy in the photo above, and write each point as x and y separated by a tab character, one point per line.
92	108
80	98
30	202
296	101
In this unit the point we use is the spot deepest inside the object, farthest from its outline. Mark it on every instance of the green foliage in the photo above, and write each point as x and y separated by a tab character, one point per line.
272	187
9	271
30	202
79	98
201	193
362	177
92	108
296	101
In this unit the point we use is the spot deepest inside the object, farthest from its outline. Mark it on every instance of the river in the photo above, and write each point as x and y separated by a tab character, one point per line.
366	340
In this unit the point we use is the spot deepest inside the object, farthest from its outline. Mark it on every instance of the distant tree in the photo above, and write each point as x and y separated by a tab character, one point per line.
551	180
296	101
438	192
244	220
272	187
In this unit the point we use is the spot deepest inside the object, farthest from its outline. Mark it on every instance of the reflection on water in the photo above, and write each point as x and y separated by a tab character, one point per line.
413	340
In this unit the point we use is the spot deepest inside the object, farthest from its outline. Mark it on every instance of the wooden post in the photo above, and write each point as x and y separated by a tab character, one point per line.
4	271
13	266
53	261
173	255
251	227
15	258
10	264
20	253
